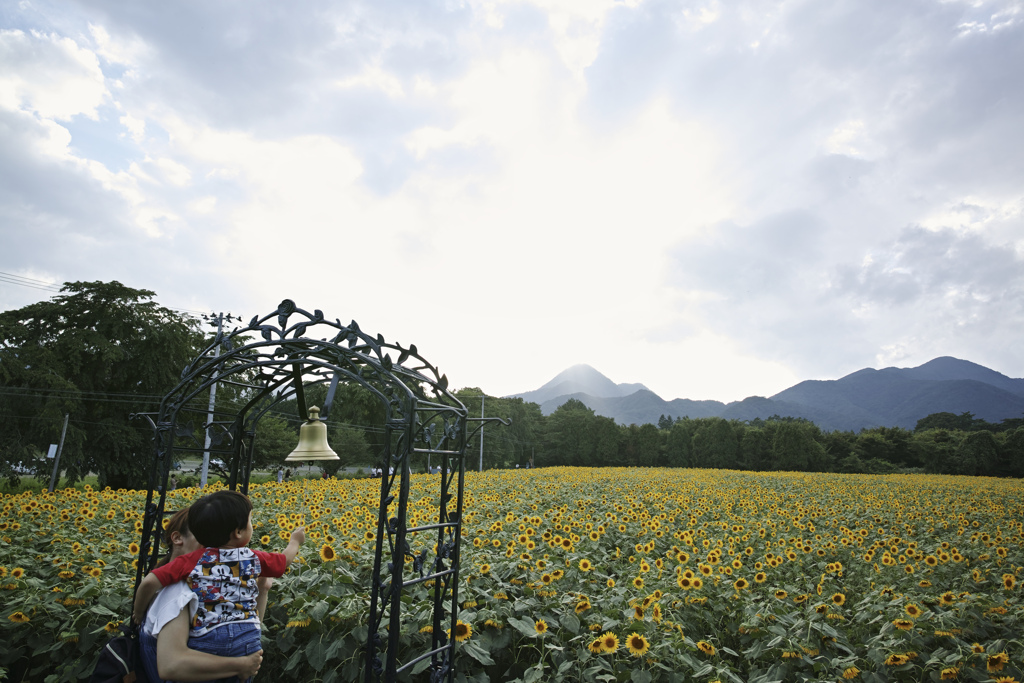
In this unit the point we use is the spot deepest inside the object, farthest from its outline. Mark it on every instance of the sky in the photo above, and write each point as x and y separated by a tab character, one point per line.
715	199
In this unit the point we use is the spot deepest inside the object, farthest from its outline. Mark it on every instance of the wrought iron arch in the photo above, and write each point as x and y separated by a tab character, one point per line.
274	358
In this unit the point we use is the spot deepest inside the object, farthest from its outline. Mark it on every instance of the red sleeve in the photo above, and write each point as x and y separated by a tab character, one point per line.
271	564
177	569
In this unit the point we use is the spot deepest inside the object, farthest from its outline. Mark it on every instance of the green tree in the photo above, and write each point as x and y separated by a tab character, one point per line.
938	448
679	444
568	435
979	454
795	448
715	444
98	351
756	448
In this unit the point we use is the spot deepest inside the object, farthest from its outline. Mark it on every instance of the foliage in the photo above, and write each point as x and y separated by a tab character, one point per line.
638	575
97	351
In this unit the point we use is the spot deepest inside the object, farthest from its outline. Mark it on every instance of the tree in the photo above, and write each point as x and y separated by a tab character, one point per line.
98	351
794	447
569	437
678	445
715	444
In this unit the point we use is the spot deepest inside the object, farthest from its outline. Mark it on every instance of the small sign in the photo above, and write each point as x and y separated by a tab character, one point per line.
52	452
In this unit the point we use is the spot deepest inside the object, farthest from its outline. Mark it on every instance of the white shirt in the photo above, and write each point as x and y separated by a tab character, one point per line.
168	604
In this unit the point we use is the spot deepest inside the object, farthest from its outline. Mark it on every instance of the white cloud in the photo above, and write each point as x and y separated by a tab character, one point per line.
49	75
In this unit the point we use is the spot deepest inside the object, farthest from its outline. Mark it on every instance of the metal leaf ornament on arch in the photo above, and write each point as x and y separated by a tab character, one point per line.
274	358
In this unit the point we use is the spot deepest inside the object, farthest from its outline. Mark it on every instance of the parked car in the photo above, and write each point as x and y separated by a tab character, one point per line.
218	463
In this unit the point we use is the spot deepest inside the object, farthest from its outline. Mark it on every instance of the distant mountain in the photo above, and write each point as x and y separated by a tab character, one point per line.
891	397
580	379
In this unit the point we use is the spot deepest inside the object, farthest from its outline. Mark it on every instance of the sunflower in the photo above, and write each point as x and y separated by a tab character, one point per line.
896	660
760	577
1009	581
978	648
949	673
463	631
609	641
851	672
610	583
637	644
638	612
595	646
18	617
838	598
800	599
781	594
706	647
133	548
638	582
540	626
264	539
697	583
585	565
582	606
913	611
996	662
95	572
903	624
740	584
327	553
112	626
17	573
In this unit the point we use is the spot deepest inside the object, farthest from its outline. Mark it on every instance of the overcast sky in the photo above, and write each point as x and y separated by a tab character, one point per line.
715	199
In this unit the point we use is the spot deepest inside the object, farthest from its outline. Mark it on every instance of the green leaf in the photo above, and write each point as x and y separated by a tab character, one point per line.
641	676
477	653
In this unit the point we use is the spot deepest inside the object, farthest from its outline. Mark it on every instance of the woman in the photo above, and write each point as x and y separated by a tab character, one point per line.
164	633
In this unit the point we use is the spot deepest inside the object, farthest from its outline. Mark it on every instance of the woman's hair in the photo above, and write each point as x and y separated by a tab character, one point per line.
178	522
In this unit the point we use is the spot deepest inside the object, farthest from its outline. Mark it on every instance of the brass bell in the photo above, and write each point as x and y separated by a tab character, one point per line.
312	441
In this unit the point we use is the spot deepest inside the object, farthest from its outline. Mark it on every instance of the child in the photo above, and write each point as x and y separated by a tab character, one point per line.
222	574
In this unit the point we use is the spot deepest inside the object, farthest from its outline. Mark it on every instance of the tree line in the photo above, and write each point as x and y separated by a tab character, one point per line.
99	351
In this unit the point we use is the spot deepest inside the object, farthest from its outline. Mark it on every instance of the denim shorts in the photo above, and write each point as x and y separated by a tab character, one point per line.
229	640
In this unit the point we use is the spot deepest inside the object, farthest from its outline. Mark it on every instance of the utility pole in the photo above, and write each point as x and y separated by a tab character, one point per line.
56	460
218	319
482	397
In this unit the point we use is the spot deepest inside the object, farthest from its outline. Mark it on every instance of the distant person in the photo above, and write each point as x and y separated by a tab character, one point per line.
287	474
280	475
174	482
223	575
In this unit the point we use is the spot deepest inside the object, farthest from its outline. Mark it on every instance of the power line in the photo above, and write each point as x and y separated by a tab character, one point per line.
12	279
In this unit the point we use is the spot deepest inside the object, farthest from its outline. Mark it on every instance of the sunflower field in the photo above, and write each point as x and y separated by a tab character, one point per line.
572	574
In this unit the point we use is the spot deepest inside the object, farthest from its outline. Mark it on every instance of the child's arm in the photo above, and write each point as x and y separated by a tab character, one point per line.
148	589
263	584
297	538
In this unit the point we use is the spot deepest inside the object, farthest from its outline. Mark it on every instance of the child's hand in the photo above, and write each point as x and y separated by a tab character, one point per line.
299	535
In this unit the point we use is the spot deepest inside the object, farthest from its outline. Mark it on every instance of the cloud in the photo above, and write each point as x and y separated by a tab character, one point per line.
49	75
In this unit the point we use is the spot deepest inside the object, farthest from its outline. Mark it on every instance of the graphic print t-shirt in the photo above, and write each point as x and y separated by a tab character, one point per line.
224	579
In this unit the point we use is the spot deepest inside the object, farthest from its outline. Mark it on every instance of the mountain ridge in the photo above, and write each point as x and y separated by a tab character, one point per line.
889	397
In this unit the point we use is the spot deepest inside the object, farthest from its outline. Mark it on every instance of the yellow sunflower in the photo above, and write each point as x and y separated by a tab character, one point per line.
463	631
637	644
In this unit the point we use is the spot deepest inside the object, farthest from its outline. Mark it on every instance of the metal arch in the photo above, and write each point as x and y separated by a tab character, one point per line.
272	359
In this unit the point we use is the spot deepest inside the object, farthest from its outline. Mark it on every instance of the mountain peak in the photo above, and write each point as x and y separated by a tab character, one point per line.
580	379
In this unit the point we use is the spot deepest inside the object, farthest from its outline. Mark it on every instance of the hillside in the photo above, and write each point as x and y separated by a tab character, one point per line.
891	397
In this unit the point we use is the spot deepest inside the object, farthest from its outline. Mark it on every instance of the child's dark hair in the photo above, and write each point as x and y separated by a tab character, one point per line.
212	518
177	522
